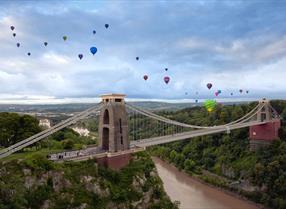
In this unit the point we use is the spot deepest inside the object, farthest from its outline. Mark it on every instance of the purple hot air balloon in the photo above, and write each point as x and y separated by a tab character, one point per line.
209	85
12	27
145	77
18	44
166	79
80	56
216	93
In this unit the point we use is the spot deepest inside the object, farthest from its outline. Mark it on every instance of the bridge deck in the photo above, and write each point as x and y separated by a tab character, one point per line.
190	134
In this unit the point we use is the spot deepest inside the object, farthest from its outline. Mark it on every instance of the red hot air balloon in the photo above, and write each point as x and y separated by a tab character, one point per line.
166	79
209	85
145	77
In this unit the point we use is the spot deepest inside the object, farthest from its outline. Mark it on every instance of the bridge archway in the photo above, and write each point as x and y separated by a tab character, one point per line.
106	117
105	139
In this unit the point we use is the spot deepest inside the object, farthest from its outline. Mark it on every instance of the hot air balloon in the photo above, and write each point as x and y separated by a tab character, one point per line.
166	79
247	91
93	50
18	44
29	54
216	93
145	77
106	25
137	58
12	27
80	56
219	91
65	38
197	101
94	32
186	93
14	34
240	90
210	105
231	94
209	85
46	43
166	69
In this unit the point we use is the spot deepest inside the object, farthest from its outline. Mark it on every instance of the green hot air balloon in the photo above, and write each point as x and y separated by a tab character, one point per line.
65	38
210	105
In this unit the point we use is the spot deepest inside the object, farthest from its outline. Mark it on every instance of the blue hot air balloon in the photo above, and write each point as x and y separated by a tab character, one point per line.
94	32
106	25
93	50
219	91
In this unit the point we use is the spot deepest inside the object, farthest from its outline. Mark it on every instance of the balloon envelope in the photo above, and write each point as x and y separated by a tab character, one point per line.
216	94
247	91
137	58
80	56
94	32
231	94
14	34
219	91
209	85
29	54
65	38
197	101
166	79
45	43
210	104
240	90
18	44
106	25
166	69
12	27
145	77
93	50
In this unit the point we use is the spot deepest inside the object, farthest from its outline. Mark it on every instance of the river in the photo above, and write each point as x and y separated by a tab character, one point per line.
193	194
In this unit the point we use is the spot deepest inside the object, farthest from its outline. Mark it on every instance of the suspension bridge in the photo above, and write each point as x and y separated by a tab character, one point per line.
125	129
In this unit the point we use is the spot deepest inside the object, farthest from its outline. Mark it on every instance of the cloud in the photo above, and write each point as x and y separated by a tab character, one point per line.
225	43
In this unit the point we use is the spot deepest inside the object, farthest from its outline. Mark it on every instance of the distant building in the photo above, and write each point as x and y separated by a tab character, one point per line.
45	123
81	131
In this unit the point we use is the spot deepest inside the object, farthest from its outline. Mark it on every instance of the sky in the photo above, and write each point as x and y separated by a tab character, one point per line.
231	44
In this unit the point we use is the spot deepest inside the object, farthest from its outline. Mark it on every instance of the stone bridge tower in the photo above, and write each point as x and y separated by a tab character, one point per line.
263	135
113	132
113	128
